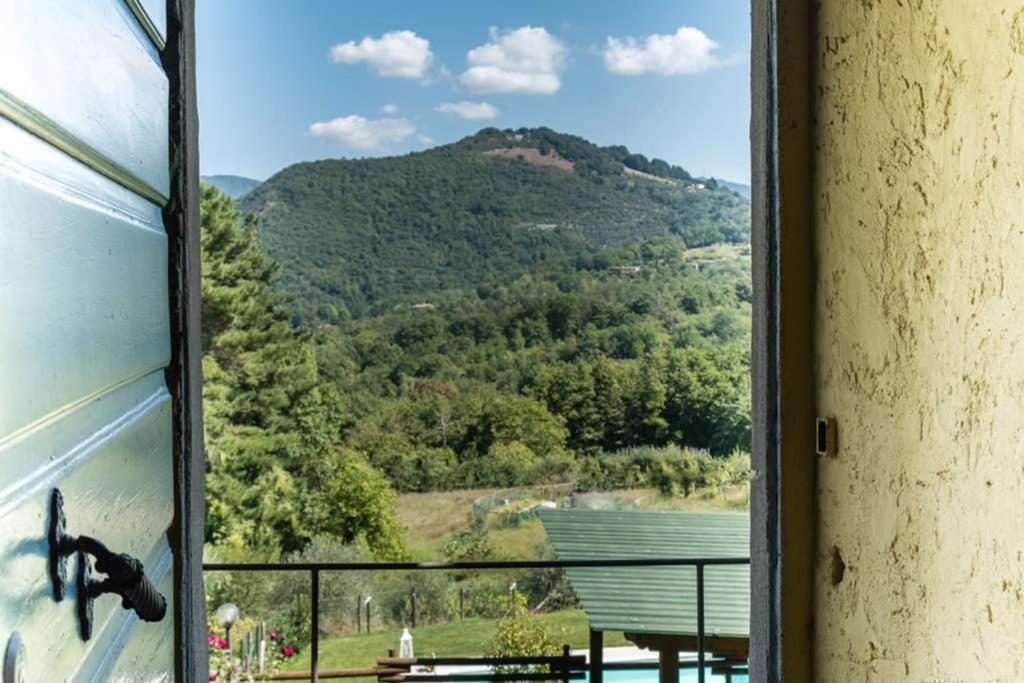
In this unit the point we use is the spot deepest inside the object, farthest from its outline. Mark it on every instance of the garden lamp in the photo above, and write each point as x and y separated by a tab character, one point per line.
405	645
227	615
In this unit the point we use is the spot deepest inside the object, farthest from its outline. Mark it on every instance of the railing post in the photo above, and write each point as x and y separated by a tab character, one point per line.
314	633
596	656
700	623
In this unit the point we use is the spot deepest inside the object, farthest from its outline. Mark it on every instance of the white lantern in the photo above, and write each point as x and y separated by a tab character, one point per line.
405	645
227	614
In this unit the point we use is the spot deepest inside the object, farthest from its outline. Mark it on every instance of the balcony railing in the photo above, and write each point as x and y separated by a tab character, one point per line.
315	569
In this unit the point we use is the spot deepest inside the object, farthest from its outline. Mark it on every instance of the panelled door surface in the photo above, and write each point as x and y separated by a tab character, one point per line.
84	324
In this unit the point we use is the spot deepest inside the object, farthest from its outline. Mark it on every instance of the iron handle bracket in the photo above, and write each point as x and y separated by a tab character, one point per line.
125	575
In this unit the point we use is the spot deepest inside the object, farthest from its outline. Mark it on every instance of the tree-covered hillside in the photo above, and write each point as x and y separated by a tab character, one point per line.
626	368
519	307
550	377
356	237
233	186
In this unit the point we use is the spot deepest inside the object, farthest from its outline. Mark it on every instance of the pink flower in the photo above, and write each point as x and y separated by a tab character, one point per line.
211	639
222	644
213	677
273	635
288	650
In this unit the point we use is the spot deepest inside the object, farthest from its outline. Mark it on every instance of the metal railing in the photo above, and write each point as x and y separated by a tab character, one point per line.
315	568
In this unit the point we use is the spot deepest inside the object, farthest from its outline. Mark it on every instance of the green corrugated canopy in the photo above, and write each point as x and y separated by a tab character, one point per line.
656	600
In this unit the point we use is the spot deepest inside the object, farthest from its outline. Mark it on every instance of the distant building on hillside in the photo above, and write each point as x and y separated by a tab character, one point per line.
627	271
545	226
423	306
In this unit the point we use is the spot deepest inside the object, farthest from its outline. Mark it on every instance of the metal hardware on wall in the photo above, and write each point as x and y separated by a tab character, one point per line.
825	436
126	575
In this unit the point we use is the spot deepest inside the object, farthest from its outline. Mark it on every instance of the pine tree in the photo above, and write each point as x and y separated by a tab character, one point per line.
272	429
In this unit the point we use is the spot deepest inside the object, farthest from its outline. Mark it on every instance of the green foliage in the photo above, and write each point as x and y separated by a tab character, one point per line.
276	474
346	498
506	385
436	599
226	666
670	469
519	634
548	587
470	546
356	237
282	599
707	402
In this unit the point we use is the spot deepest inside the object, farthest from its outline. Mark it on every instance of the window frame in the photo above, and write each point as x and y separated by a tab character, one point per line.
184	372
781	507
782	538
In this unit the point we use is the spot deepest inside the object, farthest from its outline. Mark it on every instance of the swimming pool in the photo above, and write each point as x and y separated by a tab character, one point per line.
651	676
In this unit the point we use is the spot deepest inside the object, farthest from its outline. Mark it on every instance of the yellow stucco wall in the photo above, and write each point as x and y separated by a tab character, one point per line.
919	336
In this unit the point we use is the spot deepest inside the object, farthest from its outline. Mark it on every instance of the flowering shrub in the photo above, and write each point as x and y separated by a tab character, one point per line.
225	667
519	633
285	643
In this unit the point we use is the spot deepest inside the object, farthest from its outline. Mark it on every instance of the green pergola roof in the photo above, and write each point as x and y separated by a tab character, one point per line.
656	600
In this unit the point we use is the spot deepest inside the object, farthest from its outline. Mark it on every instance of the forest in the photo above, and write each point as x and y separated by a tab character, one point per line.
356	237
626	366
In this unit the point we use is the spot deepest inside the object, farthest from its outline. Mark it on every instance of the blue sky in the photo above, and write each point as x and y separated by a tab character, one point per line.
286	81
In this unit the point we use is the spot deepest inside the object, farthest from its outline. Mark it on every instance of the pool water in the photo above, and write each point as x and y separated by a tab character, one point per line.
651	676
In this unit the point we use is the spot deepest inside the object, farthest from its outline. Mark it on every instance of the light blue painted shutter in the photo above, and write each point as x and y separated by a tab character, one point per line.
84	323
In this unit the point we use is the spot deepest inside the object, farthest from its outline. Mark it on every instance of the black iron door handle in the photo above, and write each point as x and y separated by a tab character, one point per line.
125	575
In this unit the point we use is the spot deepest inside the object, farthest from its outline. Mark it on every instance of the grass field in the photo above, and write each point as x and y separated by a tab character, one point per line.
432	519
463	638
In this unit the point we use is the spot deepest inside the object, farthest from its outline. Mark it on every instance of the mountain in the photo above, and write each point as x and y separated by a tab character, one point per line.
355	237
233	186
739	188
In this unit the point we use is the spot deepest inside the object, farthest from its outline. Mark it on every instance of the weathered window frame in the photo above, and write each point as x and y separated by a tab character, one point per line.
782	364
184	373
781	507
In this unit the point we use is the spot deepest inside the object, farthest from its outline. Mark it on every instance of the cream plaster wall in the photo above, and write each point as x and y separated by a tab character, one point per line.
919	338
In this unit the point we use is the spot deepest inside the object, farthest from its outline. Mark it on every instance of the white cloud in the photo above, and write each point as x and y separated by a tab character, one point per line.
401	54
527	60
687	51
389	109
364	134
473	111
425	139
